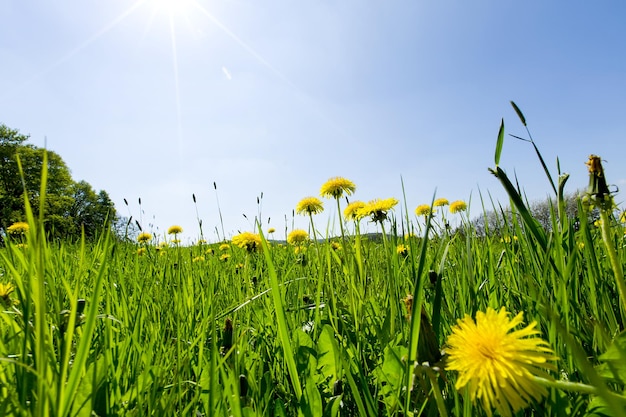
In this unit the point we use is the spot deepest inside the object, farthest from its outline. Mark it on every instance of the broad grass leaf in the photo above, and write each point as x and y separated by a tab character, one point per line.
598	408
390	375
614	360
311	405
328	359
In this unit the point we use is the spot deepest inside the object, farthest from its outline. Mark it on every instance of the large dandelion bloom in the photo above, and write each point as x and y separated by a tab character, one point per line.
458	206
174	230
440	202
248	241
336	187
353	211
144	237
18	228
309	205
297	237
423	210
378	209
498	365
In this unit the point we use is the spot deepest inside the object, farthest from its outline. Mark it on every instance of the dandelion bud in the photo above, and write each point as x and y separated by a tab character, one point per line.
243	385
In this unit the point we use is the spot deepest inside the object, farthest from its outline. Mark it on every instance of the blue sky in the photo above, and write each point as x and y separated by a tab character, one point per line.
153	101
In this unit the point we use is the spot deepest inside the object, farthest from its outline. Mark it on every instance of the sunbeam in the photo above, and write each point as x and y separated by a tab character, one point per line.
243	44
179	119
268	65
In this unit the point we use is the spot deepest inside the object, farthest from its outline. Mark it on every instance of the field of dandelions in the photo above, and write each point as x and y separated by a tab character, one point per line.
418	319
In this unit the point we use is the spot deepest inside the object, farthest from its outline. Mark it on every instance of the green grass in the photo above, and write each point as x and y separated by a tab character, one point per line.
97	329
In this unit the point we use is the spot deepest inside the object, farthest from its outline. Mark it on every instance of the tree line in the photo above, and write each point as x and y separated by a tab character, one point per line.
70	207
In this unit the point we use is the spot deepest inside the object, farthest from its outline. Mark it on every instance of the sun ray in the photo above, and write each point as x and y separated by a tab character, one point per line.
316	108
179	118
243	44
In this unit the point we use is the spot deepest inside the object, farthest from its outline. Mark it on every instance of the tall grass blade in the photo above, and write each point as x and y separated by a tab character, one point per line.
499	143
519	113
281	320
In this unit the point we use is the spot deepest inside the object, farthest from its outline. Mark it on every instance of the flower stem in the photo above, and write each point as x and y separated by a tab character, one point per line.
605	228
579	388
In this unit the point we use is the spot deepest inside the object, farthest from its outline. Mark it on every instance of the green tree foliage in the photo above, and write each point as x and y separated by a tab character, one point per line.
70	207
495	221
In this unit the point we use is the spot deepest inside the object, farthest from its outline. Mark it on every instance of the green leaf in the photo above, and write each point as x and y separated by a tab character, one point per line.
499	143
390	375
311	399
519	113
329	361
614	360
599	408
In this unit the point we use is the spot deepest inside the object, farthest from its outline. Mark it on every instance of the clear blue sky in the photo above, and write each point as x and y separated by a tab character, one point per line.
153	101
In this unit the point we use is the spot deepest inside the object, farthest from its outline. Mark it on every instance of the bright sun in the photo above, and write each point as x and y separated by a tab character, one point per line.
172	7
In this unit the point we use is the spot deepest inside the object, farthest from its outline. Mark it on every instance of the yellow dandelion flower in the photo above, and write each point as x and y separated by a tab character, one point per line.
440	202
309	205
22	246
299	249
458	206
201	242
174	230
18	228
352	212
509	239
423	210
335	246
581	245
5	294
402	250
622	217
224	247
141	251
209	251
198	259
271	230
144	237
224	257
377	209
297	237
496	364
336	187
248	241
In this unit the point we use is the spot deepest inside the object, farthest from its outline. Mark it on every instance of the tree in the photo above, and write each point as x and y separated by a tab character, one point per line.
91	212
70	207
11	188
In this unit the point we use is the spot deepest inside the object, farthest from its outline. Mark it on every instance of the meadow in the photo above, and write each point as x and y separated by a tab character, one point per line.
417	320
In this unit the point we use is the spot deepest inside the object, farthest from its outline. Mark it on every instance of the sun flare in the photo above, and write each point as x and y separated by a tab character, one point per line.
172	7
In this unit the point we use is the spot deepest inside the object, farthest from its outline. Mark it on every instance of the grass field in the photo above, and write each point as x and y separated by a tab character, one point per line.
407	324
